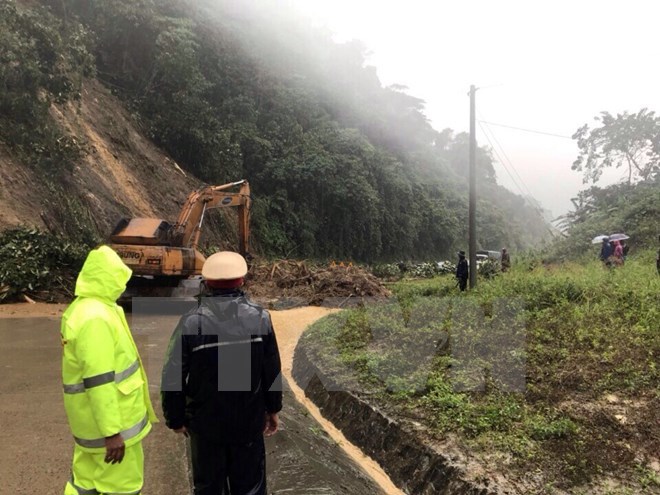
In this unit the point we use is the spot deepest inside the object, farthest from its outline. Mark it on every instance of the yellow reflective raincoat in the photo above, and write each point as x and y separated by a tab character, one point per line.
105	385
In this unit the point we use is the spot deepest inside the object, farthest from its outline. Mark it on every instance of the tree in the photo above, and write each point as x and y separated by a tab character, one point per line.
631	140
43	60
340	166
455	150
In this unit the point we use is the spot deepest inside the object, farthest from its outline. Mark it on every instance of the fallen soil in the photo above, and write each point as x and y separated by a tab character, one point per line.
27	310
18	185
121	174
300	283
276	285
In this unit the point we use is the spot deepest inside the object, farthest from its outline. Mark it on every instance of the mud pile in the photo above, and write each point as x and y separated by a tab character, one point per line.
312	284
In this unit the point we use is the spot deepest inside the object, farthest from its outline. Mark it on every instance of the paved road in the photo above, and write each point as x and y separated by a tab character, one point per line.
36	447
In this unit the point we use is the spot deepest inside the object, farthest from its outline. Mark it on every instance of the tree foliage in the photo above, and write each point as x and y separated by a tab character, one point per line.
43	266
631	209
43	60
340	166
628	140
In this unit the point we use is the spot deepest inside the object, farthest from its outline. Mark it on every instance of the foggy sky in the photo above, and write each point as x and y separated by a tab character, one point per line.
549	66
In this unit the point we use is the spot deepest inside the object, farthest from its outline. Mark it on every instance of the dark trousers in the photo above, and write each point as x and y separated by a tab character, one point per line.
462	283
221	469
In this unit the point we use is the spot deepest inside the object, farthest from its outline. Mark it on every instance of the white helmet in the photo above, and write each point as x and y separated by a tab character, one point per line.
225	265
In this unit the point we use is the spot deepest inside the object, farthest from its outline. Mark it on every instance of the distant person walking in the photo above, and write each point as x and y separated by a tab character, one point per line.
505	260
606	251
462	271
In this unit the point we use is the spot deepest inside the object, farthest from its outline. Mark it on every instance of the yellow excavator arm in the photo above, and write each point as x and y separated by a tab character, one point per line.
155	248
188	227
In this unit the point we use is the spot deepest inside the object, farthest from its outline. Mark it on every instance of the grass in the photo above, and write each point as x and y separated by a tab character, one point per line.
550	368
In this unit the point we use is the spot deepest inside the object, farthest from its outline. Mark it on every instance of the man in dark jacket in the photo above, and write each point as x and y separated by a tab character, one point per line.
606	250
221	383
505	260
657	259
462	271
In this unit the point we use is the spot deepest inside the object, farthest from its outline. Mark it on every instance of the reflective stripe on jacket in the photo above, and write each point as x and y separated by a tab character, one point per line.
105	386
222	370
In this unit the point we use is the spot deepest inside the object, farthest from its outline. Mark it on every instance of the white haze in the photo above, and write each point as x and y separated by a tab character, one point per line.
545	65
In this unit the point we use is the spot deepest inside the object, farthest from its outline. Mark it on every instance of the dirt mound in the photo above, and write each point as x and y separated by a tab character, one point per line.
120	174
312	284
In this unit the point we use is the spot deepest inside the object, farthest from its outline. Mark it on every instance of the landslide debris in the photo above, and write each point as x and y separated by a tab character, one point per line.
313	284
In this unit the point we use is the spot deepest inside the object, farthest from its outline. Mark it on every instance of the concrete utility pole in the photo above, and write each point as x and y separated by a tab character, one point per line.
472	229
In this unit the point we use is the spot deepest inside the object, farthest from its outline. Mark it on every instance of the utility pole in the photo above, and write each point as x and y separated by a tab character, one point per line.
472	230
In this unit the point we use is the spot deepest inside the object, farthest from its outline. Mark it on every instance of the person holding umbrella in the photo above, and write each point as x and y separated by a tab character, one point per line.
618	253
620	250
626	248
606	250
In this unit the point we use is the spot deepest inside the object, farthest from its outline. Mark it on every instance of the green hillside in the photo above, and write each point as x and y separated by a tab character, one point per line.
340	166
630	209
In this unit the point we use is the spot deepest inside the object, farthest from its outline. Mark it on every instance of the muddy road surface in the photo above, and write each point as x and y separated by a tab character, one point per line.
303	458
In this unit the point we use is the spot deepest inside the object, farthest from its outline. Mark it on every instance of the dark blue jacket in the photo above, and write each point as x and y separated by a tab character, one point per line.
462	268
606	251
222	370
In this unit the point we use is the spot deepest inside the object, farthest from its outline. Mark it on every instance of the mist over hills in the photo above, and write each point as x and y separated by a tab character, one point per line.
340	166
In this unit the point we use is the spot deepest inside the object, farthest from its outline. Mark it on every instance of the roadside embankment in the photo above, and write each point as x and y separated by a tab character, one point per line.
542	380
416	466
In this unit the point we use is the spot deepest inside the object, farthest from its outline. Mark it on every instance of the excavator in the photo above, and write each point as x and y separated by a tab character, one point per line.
164	257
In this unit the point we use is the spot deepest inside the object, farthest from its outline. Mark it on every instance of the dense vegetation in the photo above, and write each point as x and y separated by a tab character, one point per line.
43	266
340	166
629	141
631	209
43	60
545	369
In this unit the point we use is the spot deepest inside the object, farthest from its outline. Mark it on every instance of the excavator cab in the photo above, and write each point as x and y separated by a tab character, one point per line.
142	231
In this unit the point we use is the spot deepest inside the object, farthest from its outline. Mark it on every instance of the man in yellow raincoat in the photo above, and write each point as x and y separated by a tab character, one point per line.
106	396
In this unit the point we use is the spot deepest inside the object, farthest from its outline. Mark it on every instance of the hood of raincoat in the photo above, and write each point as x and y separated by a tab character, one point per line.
103	276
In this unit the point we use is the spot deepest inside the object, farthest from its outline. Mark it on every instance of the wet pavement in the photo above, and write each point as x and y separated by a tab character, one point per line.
36	444
303	459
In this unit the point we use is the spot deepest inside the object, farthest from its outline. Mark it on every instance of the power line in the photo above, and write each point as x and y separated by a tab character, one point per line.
515	182
527	130
499	158
508	160
529	193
